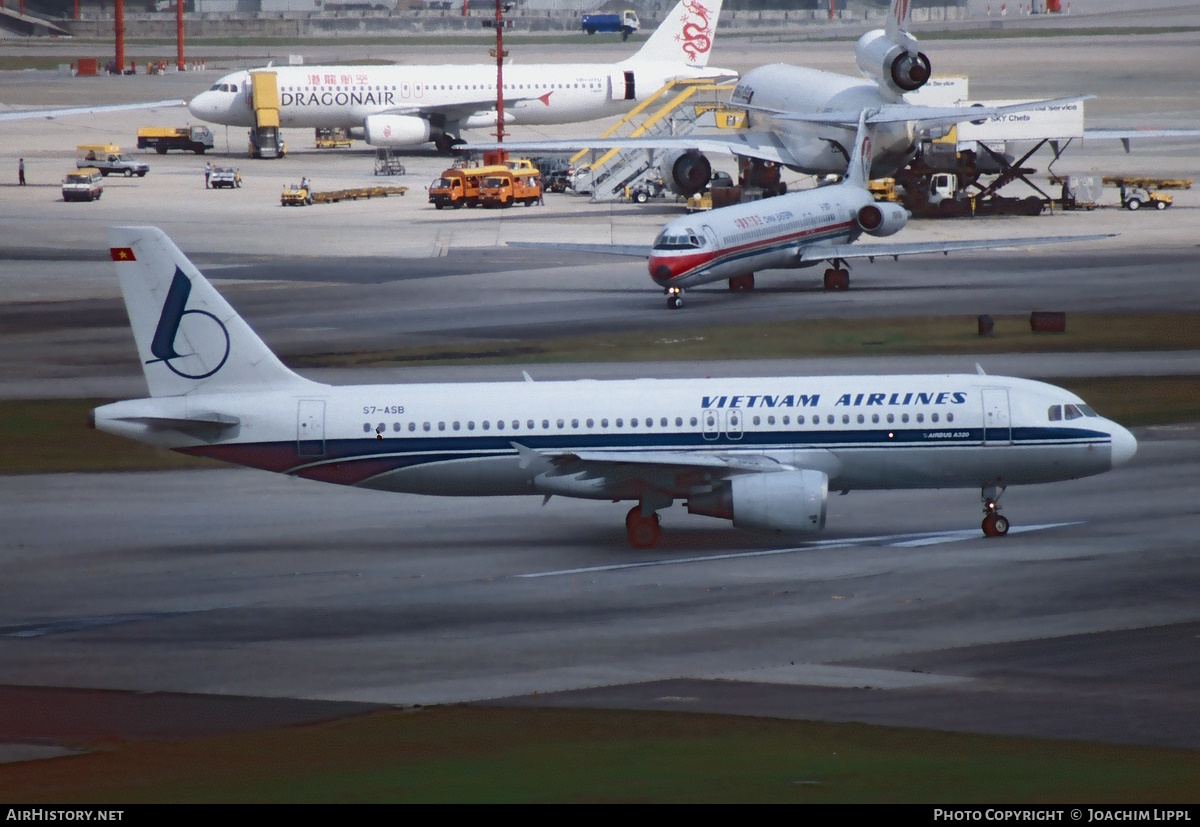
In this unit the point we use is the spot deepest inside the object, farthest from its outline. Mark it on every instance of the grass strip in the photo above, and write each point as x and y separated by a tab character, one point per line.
804	338
476	754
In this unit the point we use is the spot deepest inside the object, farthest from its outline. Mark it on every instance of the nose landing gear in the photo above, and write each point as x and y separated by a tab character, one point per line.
995	524
674	298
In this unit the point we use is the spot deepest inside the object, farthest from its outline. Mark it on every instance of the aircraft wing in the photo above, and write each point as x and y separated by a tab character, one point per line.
631	250
1127	135
29	114
765	146
923	115
666	471
461	109
826	252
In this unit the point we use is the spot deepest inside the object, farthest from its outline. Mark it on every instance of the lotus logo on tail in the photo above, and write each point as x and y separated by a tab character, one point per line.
866	157
208	345
696	32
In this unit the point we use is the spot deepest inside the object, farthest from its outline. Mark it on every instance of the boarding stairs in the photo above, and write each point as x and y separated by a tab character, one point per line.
676	109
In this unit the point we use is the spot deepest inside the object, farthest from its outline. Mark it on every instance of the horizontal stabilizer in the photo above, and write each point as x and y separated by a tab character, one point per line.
923	115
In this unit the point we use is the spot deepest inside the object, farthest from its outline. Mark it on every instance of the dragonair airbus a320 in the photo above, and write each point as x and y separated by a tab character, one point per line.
761	452
402	106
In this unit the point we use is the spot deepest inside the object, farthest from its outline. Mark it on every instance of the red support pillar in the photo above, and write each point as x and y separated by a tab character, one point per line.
119	30
499	75
76	9
179	35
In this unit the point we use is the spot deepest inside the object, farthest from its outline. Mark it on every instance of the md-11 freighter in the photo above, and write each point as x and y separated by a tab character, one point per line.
761	452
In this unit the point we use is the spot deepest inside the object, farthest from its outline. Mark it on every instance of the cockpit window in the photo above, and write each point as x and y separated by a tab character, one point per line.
1071	412
676	241
1087	411
1055	413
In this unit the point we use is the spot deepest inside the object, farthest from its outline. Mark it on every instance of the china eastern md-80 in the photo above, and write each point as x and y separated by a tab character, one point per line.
761	452
400	106
800	229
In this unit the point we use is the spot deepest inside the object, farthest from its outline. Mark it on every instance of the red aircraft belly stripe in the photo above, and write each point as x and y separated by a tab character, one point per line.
685	264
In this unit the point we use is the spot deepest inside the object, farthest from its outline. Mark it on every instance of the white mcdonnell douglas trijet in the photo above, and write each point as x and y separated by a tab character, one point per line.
401	106
804	119
800	229
762	452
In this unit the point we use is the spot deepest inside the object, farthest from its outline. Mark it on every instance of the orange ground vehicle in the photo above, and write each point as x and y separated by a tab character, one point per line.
459	186
503	189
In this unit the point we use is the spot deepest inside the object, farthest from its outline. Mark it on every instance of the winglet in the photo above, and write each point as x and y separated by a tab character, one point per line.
528	378
979	369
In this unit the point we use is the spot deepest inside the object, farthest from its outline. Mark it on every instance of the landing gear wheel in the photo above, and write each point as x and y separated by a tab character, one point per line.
643	532
838	279
674	302
995	525
743	282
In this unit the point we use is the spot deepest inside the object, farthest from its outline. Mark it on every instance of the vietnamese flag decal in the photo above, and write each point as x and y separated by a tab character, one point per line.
122	254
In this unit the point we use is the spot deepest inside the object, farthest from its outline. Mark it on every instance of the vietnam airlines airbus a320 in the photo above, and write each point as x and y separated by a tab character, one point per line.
401	106
762	452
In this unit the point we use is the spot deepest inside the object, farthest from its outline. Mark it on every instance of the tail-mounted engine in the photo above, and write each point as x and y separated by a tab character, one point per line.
898	66
881	219
685	172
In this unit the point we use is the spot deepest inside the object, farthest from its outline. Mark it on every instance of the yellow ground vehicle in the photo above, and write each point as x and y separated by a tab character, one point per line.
332	137
296	195
509	187
188	138
83	185
459	186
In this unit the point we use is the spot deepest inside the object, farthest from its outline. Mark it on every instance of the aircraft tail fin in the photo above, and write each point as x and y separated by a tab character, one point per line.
188	337
685	36
858	171
898	17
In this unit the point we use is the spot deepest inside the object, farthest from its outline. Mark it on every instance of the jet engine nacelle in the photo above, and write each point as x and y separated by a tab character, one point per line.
788	501
397	130
685	172
883	60
881	219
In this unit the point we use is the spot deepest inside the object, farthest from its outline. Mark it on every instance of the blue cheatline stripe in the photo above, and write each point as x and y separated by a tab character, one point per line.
411	451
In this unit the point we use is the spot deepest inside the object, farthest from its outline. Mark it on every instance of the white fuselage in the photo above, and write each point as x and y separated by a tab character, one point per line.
822	149
863	432
345	96
759	235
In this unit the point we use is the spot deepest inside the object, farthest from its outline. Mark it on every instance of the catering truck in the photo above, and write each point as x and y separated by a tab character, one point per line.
625	22
188	138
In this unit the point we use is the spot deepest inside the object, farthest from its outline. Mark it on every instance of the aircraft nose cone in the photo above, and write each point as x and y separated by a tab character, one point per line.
197	106
1124	446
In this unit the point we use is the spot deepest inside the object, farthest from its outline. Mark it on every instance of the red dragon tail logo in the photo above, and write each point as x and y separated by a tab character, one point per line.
696	33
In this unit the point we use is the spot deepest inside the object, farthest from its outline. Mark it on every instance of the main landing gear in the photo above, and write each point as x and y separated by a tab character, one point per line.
837	277
674	298
742	283
995	524
643	532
